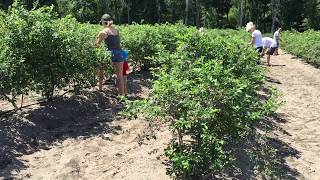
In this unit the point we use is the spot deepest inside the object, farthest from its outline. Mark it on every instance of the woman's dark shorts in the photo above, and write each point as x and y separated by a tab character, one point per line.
117	55
271	50
259	49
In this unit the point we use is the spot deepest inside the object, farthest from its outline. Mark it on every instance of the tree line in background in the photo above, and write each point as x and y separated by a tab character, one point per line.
267	14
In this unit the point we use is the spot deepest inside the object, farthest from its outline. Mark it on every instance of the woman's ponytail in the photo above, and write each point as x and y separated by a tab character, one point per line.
109	23
107	20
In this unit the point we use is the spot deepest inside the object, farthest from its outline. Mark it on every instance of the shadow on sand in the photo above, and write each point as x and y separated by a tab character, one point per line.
87	114
262	154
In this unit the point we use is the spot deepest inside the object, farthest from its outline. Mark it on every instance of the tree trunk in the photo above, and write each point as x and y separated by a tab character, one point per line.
117	14
245	11
128	4
107	5
241	13
187	12
158	11
251	5
273	6
198	13
218	19
173	13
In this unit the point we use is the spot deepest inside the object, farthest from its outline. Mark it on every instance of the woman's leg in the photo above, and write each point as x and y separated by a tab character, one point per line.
100	78
125	85
268	59
276	53
120	81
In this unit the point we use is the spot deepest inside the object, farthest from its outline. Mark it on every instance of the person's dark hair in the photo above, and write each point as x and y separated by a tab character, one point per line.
106	19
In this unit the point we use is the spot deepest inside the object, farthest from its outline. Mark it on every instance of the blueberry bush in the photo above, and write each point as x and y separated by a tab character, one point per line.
208	90
304	45
40	52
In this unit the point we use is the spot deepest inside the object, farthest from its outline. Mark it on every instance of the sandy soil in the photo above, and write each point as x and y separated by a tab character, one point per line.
299	84
125	155
82	137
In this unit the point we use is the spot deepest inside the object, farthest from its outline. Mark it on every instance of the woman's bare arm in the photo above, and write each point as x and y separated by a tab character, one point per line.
101	36
253	39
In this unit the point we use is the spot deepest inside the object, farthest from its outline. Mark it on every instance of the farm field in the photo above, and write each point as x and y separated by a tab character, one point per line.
134	150
200	104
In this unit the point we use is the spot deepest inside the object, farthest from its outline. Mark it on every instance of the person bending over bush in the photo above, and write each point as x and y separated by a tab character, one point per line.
269	47
256	37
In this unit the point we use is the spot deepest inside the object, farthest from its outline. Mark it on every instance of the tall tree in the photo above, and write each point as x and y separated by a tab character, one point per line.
312	14
222	8
158	10
187	12
103	7
274	10
198	23
296	14
291	13
128	7
240	13
116	10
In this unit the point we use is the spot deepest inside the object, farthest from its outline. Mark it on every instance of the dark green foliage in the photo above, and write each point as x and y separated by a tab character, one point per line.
82	10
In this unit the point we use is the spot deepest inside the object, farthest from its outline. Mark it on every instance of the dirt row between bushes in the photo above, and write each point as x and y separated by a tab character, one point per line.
299	85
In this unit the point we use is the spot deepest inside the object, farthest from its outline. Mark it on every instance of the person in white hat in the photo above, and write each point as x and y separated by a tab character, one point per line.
269	47
256	37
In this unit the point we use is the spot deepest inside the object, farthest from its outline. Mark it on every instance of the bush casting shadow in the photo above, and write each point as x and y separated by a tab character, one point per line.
261	153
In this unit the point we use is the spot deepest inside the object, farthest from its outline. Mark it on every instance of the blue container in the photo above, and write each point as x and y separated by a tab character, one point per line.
124	54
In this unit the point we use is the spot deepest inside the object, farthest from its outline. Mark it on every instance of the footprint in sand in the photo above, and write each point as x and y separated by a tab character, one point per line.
71	170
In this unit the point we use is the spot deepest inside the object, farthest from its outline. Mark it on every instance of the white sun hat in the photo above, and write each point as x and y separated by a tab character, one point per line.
249	26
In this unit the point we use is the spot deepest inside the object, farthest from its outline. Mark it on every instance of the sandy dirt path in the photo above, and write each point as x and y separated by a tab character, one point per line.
299	84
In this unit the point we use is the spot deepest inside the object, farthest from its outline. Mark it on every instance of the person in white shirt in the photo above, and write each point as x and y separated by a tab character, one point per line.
276	37
256	36
269	47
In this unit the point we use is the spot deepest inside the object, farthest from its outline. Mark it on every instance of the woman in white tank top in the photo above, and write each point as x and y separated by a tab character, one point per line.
256	36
